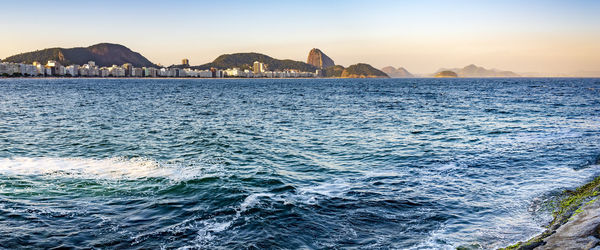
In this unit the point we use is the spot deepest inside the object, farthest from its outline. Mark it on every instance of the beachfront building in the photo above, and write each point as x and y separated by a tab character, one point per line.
72	70
9	69
128	68
89	69
137	72
61	70
249	74
116	71
235	72
41	70
27	69
150	72
51	68
104	72
205	73
164	72
259	67
190	73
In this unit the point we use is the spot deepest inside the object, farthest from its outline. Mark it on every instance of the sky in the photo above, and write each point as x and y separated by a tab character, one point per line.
422	36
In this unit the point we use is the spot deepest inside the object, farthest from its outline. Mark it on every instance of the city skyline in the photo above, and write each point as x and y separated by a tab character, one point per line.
538	36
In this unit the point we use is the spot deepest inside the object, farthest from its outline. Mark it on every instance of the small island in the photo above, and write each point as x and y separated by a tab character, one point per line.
446	74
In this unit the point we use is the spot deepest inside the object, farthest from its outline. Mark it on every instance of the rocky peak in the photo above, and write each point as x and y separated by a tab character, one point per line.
317	58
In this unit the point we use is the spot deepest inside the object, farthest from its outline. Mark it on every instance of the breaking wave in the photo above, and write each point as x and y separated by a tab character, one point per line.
110	168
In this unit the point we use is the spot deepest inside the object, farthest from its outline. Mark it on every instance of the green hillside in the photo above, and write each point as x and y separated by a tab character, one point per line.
363	70
104	54
333	71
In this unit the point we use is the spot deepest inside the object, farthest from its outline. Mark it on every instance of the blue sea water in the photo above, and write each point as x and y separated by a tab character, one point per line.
307	163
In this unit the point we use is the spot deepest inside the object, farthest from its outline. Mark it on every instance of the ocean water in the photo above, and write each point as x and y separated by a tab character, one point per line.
315	164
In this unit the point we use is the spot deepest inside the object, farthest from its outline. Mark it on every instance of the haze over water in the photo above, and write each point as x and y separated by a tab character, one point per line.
320	163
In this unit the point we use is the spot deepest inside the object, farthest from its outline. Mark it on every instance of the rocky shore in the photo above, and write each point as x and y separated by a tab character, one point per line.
576	223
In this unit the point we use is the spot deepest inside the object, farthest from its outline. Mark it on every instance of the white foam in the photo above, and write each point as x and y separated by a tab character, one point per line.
336	189
252	200
111	168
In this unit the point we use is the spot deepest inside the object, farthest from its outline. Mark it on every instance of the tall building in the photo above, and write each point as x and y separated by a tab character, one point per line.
54	67
185	61
72	70
258	67
128	69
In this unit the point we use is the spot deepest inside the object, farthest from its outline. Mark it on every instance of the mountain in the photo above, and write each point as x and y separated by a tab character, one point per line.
397	73
446	73
246	60
476	71
363	70
104	54
317	58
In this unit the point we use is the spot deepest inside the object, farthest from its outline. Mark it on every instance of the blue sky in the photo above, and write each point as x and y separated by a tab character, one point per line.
540	36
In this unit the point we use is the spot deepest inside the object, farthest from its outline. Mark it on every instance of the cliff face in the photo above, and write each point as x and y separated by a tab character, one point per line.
317	58
397	73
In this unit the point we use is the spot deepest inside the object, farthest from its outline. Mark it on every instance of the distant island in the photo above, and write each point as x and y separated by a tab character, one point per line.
446	73
115	60
473	70
397	73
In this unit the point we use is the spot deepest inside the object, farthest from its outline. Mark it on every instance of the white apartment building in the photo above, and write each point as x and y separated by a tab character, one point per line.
72	70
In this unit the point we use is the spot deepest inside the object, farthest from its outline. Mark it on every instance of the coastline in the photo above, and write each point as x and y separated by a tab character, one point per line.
263	78
157	78
575	224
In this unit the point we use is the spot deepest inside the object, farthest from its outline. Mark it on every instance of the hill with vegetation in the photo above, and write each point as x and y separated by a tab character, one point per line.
104	54
363	70
333	71
246	60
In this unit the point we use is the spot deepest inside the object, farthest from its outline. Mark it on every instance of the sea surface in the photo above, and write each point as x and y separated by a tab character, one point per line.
304	163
